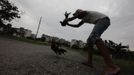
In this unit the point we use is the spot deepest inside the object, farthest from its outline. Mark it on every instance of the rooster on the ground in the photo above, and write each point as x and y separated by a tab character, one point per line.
57	49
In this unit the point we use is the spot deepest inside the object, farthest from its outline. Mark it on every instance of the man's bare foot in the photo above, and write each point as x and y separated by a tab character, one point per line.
111	71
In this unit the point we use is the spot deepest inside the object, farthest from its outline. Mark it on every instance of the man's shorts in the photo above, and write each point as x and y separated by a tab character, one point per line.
100	26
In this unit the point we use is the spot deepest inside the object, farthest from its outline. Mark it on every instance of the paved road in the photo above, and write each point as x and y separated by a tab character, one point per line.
20	58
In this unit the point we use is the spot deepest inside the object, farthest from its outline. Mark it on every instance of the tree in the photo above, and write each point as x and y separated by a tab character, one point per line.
8	12
22	32
117	50
43	38
7	28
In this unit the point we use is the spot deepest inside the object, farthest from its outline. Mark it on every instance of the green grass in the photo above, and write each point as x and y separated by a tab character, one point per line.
127	66
26	40
33	41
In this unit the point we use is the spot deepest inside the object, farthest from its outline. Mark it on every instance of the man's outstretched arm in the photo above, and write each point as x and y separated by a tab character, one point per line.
66	20
76	25
72	18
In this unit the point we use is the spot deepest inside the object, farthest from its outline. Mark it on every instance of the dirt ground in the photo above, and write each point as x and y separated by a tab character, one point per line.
20	58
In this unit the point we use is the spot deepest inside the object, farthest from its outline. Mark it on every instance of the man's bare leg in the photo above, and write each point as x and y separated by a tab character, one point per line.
90	56
111	68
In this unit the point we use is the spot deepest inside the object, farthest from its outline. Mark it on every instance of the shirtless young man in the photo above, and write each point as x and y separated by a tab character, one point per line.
101	23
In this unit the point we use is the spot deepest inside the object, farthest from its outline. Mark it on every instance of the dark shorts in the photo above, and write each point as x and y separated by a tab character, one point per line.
100	26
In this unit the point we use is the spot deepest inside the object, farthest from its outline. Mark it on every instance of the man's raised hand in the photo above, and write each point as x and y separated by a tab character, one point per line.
65	22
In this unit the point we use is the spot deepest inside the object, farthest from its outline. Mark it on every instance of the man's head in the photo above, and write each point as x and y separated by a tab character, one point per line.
77	11
80	13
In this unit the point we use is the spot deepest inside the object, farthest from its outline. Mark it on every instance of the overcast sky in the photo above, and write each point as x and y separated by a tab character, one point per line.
121	13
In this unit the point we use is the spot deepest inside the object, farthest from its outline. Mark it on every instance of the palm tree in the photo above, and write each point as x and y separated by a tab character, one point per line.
117	50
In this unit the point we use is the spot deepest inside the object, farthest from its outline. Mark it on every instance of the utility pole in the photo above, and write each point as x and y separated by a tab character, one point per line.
38	27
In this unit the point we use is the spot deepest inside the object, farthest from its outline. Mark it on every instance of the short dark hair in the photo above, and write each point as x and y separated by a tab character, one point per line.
77	11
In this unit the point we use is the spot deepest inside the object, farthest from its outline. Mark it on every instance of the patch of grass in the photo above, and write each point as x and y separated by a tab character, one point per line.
26	40
32	41
125	65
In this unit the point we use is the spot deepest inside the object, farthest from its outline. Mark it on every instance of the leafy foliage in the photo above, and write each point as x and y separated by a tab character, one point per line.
119	50
8	11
